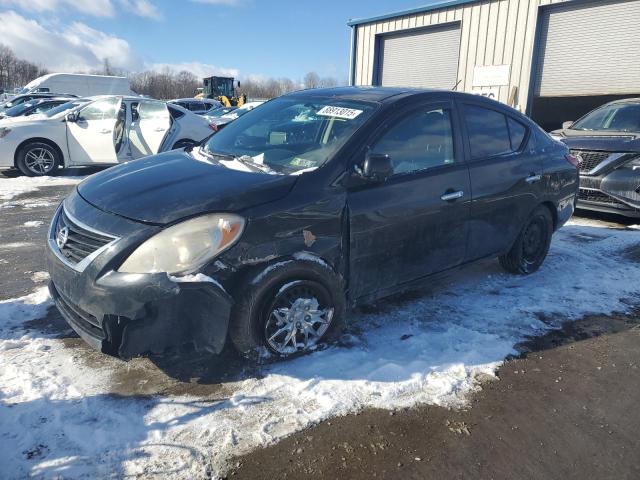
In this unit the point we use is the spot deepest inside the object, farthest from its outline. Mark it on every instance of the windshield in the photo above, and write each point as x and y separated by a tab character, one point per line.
289	135
620	117
64	107
18	109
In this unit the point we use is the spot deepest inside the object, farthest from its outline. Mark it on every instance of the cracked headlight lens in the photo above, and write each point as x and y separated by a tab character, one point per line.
185	246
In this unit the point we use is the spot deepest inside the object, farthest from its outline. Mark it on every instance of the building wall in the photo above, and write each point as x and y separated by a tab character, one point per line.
493	32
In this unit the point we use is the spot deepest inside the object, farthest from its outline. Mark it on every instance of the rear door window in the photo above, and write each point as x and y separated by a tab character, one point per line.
488	132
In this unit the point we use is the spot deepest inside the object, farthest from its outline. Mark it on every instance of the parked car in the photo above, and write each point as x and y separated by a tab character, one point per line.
199	106
79	84
220	122
105	131
316	201
219	112
607	142
33	107
20	99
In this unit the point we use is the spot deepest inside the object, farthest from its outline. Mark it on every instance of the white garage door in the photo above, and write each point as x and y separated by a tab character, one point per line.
426	59
590	49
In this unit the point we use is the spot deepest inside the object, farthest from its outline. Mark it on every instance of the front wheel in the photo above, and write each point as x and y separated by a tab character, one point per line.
37	159
532	245
293	308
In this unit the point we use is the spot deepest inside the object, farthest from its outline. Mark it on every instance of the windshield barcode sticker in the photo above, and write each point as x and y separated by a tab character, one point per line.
339	112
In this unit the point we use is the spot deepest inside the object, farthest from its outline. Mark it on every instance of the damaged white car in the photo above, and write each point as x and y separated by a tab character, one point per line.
107	130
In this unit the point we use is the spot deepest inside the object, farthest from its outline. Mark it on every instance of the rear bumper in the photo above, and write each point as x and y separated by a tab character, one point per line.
130	315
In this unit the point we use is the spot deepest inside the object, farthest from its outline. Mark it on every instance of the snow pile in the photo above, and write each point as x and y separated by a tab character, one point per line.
58	418
33	223
12	187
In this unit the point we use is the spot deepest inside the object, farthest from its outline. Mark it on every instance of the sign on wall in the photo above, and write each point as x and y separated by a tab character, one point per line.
491	75
492	93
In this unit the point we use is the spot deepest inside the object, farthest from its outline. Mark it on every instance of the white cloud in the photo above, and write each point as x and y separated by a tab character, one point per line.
96	8
80	48
77	47
142	8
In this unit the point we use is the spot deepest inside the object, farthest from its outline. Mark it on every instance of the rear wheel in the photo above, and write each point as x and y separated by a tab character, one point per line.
37	159
532	245
294	308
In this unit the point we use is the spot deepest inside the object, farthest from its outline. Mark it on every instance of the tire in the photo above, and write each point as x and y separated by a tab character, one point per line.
302	294
37	159
532	245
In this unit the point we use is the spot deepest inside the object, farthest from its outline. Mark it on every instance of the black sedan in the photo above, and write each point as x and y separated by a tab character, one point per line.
607	142
315	202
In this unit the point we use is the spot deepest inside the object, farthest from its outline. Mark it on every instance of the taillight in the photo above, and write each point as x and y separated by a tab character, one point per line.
213	127
573	159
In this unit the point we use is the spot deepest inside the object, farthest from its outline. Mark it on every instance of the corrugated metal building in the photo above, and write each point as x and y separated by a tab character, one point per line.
553	59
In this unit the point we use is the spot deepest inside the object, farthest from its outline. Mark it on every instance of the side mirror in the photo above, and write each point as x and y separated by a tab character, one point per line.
566	125
72	117
377	167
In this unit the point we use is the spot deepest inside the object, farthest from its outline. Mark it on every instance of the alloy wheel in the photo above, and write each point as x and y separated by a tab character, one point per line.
39	160
298	318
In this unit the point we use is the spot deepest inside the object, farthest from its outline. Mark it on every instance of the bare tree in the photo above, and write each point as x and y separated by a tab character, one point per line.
165	84
311	80
15	72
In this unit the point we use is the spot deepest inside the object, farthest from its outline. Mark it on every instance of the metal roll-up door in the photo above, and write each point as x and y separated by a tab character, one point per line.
425	58
590	48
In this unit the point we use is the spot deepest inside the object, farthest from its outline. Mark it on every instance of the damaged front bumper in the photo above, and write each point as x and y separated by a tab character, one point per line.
129	315
615	192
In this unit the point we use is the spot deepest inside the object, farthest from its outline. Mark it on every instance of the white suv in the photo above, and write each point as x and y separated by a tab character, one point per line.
107	130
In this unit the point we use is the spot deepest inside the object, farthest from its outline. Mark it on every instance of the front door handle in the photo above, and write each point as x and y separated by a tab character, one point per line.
449	197
105	131
533	178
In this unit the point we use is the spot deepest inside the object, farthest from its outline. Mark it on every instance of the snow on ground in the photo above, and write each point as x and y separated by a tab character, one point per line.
12	187
58	418
33	223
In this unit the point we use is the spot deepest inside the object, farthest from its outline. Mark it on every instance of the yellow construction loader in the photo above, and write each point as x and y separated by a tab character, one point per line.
224	90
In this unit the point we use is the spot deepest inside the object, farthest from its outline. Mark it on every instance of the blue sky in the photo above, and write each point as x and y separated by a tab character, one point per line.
241	37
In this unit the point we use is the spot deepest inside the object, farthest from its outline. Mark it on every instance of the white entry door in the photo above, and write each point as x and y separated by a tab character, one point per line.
91	137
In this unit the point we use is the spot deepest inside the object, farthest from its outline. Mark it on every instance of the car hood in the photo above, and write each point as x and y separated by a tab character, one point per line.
595	140
161	189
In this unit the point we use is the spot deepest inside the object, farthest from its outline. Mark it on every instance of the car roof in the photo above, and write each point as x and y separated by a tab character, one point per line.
625	100
377	94
388	94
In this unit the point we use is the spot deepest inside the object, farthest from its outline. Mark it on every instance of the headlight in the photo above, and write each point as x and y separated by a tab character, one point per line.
4	131
185	246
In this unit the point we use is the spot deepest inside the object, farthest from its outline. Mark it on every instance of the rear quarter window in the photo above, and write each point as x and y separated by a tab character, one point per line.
518	133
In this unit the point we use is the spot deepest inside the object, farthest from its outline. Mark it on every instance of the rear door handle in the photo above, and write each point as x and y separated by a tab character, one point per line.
105	131
533	178
449	197
159	129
